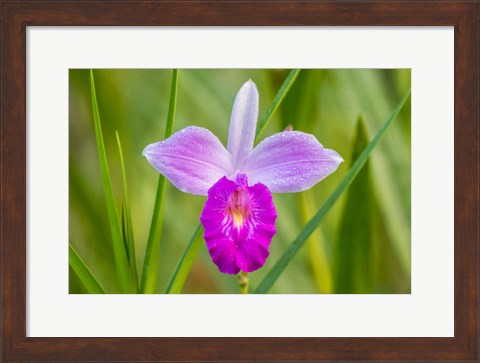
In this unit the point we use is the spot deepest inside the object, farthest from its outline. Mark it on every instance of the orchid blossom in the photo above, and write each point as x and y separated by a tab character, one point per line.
239	214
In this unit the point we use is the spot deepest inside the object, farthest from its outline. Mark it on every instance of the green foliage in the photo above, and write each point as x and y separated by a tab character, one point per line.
316	245
127	228
151	262
277	101
180	274
353	247
325	103
125	278
83	272
280	266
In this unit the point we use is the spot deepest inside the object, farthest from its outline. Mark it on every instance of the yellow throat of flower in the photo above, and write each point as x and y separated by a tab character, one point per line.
238	218
238	207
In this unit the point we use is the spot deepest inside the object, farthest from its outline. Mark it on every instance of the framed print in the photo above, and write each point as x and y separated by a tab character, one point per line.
253	181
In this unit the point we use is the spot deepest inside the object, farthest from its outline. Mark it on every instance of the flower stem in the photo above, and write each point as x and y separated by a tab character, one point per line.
243	282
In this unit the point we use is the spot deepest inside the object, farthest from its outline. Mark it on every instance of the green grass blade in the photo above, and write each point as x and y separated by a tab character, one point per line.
124	231
282	92
180	274
151	261
83	272
172	106
282	263
302	106
316	247
127	228
353	265
126	282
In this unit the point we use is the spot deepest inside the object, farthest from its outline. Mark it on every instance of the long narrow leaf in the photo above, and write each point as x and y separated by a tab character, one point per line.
180	274
125	278
127	219
151	261
83	272
282	92
282	263
353	265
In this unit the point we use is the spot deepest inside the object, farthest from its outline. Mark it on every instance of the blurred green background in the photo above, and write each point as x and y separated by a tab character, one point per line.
363	245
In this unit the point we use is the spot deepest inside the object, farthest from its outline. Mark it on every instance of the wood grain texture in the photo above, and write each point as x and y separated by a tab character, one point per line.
17	15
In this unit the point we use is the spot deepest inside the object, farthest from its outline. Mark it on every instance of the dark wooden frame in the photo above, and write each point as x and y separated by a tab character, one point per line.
17	15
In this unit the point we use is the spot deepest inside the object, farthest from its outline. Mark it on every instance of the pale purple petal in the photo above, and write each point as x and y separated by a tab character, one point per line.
192	159
290	161
239	224
243	122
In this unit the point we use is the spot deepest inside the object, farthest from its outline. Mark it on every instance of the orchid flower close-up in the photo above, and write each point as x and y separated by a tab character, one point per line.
239	215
